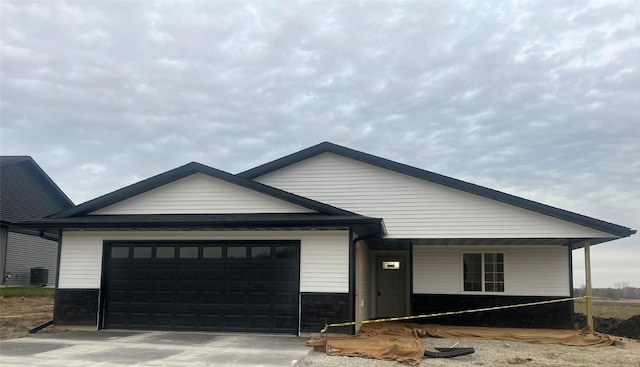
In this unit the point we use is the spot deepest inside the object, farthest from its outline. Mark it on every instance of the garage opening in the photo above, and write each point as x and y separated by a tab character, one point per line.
245	286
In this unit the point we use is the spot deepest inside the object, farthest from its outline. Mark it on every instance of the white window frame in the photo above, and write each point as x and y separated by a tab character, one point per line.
482	264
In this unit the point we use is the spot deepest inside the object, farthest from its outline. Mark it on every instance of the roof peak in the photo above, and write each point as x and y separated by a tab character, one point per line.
437	178
189	169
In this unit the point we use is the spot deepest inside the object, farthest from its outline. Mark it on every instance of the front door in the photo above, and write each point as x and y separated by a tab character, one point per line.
391	283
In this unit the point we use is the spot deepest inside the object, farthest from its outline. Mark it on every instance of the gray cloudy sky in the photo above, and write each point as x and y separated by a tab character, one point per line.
539	99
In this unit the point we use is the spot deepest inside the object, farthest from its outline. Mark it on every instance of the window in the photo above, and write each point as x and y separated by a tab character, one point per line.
261	252
188	252
494	272
472	269
142	252
119	252
483	272
212	252
236	252
165	253
285	252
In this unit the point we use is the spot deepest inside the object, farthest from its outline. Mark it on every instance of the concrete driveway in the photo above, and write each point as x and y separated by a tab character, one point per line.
152	348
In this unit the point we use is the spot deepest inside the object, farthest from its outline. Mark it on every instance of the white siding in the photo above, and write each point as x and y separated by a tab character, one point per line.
201	194
415	208
324	263
80	260
529	270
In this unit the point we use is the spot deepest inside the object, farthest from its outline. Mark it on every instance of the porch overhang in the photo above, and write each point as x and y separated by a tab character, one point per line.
406	243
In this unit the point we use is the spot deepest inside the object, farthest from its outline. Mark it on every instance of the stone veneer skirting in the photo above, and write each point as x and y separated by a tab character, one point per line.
319	309
554	315
76	307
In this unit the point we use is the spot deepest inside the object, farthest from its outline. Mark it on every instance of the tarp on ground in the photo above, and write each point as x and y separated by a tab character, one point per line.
399	341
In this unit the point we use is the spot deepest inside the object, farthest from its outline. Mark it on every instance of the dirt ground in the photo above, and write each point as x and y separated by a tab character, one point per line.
502	353
19	314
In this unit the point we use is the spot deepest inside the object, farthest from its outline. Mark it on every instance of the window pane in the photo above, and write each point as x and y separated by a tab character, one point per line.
236	252
494	272
472	272
142	252
285	252
119	252
188	252
260	252
165	252
212	252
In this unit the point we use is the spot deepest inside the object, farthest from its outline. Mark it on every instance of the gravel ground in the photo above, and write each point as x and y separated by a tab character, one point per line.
502	353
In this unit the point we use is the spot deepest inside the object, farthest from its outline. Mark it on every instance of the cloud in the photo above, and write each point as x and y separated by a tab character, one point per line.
93	168
537	99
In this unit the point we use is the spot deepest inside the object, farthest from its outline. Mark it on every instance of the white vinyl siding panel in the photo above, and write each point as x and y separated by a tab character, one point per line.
80	260
324	262
412	207
201	194
529	270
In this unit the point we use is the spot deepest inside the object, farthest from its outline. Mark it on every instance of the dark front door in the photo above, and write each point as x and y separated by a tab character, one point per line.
217	286
391	275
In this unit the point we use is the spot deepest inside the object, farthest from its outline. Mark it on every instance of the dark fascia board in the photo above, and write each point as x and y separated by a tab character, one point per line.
49	183
201	221
548	210
187	170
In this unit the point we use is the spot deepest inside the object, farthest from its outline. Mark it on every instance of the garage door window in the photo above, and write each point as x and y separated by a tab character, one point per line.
166	252
285	252
214	252
260	252
188	252
120	253
141	252
236	253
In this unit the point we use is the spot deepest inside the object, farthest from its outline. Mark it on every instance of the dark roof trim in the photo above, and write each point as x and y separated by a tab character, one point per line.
187	170
548	210
6	160
202	221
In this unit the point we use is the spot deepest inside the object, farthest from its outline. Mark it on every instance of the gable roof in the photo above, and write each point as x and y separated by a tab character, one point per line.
27	192
548	210
187	170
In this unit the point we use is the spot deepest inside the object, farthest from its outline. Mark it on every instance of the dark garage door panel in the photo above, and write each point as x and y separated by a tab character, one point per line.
216	292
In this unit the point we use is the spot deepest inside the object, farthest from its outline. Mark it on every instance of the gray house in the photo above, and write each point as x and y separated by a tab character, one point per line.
27	256
327	234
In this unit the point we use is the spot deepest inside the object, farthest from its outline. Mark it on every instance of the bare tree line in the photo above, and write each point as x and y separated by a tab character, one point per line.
621	291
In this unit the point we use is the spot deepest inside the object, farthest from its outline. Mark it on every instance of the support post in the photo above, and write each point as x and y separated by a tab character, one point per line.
587	272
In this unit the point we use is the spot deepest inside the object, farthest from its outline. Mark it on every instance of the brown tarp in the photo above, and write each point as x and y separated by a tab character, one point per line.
399	341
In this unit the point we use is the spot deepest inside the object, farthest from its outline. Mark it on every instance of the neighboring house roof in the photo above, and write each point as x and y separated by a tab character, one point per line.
80	217
548	210
27	192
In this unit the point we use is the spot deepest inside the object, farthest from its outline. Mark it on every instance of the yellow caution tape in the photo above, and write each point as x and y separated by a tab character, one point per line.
324	330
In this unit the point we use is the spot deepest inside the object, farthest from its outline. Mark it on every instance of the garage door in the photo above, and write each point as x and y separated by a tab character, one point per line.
215	286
